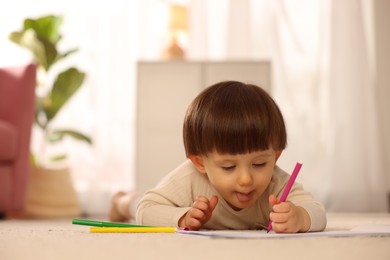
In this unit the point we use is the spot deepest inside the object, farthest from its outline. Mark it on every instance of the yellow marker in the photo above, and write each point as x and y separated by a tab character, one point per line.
132	229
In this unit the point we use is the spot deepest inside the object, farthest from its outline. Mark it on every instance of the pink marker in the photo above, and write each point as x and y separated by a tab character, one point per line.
287	189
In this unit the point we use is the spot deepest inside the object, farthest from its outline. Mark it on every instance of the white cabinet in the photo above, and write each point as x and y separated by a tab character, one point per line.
164	91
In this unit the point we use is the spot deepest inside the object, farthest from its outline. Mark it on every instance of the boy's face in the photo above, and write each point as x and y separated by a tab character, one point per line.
240	179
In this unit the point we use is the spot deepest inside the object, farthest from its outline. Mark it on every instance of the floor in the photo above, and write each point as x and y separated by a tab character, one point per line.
59	239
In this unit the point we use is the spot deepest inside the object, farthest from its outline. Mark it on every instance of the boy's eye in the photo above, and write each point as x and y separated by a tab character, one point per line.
228	168
258	165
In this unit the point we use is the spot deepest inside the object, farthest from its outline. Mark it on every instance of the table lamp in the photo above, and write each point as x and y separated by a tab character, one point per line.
177	24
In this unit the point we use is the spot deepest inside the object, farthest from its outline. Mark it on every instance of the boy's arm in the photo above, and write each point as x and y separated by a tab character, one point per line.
316	213
305	219
151	213
173	197
313	208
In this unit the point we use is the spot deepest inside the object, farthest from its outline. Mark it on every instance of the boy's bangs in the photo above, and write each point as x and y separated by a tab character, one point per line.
237	131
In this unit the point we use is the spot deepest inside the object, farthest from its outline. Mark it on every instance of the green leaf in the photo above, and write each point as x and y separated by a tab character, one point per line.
66	54
58	135
28	39
40	36
46	27
65	85
58	157
33	159
51	54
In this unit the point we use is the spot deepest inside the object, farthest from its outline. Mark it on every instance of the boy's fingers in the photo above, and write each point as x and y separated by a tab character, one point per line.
199	214
200	205
194	224
272	199
280	227
202	198
283	207
213	202
279	217
201	211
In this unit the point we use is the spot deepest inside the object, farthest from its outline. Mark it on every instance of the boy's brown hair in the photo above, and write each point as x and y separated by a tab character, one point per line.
233	118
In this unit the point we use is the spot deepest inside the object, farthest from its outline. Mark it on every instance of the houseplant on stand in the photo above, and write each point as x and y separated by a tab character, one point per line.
51	192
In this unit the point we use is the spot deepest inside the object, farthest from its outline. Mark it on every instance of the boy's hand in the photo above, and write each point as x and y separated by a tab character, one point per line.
199	214
288	218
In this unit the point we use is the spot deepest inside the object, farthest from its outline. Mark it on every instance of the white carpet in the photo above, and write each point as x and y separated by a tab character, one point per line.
59	239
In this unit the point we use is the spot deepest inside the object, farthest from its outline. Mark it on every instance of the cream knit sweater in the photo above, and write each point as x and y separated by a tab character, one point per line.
174	195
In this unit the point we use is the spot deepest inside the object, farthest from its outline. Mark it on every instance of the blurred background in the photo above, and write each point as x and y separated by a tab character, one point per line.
329	74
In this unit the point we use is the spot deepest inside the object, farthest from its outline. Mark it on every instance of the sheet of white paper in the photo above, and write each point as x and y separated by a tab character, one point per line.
373	230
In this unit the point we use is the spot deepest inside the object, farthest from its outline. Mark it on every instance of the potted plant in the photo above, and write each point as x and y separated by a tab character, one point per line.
41	37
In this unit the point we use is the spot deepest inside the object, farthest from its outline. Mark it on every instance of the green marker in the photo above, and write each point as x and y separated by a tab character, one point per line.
87	222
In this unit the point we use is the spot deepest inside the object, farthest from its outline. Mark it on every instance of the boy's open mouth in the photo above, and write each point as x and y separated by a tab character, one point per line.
244	197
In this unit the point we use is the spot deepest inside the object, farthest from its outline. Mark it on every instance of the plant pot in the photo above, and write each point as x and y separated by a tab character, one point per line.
51	194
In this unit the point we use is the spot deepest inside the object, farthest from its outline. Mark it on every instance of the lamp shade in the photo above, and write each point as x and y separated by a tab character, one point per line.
178	18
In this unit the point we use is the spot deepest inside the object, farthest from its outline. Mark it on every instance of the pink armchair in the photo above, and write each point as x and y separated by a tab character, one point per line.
17	109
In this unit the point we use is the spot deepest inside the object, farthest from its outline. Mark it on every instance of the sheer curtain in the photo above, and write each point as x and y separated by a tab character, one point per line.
325	85
357	178
322	78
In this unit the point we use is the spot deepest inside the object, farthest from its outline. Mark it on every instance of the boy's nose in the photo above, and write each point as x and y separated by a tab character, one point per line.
245	178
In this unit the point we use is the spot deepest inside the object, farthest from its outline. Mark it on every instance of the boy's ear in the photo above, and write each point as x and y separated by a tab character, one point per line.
277	155
197	160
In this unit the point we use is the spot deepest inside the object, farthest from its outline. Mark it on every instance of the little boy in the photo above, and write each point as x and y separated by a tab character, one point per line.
233	135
